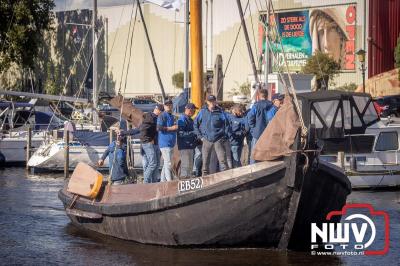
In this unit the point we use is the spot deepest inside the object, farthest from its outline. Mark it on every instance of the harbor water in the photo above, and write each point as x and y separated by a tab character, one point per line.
34	230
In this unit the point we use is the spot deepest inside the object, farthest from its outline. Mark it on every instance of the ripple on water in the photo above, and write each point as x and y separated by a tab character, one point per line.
35	230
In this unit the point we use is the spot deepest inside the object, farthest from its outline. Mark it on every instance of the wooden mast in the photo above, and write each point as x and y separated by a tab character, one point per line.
196	43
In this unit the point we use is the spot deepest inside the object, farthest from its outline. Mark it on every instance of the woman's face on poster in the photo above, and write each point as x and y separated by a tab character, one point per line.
329	38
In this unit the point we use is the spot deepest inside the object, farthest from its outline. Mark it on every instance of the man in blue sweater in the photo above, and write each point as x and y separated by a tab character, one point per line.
212	127
167	128
258	117
116	153
237	123
187	140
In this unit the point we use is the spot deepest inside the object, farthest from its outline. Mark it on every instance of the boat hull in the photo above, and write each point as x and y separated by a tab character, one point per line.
255	209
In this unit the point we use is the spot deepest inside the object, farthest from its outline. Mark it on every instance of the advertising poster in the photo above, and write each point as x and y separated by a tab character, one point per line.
327	29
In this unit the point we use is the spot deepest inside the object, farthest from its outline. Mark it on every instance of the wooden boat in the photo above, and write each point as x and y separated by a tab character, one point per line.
270	203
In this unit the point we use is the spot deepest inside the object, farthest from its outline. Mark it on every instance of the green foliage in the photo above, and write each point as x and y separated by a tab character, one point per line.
241	89
22	26
177	79
323	67
348	87
397	55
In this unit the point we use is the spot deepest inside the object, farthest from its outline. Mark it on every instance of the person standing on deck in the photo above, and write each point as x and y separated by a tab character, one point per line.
187	140
149	145
236	139
258	118
167	128
277	101
116	153
212	127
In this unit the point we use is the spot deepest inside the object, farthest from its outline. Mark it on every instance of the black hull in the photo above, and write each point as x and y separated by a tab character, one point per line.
271	209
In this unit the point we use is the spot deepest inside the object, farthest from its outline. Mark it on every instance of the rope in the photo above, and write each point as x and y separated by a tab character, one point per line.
231	53
69	76
112	46
126	77
296	103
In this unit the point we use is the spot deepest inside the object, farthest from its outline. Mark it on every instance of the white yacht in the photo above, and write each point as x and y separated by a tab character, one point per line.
50	155
371	160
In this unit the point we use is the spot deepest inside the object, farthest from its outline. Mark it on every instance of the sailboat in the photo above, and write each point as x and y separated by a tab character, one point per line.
15	119
271	203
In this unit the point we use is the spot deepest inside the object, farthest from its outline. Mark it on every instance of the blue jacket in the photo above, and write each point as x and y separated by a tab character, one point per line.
118	167
212	125
187	139
258	117
238	130
271	112
166	139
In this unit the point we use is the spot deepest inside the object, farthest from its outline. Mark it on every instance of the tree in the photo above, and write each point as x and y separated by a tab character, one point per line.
348	87
241	89
397	55
22	25
323	67
177	79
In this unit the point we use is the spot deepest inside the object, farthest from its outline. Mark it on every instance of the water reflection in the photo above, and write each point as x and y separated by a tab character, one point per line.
35	230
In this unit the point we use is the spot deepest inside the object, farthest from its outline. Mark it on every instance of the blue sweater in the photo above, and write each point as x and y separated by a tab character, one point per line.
212	125
118	167
238	130
166	139
258	117
187	139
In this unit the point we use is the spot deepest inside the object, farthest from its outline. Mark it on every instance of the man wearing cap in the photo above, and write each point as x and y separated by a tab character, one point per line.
118	168
277	101
236	139
149	148
258	117
167	128
212	127
187	140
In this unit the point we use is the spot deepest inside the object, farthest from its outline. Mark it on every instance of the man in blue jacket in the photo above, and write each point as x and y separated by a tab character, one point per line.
258	117
212	127
167	128
187	140
116	153
237	123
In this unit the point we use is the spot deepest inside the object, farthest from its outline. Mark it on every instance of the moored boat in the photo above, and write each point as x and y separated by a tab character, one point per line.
270	203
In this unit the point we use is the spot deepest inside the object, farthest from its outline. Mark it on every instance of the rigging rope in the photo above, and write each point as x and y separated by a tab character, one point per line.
296	103
231	53
126	77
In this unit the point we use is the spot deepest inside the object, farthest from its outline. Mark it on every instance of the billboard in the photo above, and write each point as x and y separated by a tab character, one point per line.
327	29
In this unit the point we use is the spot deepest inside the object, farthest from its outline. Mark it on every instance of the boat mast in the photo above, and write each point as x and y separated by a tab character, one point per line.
151	51
186	71
94	50
246	35
197	52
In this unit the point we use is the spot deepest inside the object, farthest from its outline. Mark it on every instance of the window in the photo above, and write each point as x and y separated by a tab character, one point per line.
387	141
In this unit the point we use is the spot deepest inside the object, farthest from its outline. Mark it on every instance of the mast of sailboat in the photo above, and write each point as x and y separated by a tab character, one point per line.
246	35
151	51
94	58
196	43
186	70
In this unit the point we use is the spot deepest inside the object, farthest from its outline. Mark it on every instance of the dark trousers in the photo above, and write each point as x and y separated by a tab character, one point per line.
220	151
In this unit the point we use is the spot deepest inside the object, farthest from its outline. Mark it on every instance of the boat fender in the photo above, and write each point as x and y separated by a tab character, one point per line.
85	181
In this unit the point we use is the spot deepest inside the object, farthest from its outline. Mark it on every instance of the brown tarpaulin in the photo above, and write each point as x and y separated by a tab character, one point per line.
277	139
129	112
